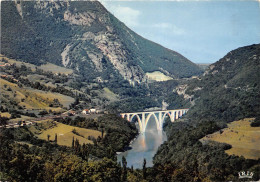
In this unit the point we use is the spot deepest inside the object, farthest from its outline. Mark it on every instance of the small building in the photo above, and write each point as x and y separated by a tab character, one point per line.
73	113
6	64
92	111
85	111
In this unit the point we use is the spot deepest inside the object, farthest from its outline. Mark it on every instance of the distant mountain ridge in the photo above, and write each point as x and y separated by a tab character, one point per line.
84	36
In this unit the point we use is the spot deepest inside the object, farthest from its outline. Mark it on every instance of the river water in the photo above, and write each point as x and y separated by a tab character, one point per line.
145	146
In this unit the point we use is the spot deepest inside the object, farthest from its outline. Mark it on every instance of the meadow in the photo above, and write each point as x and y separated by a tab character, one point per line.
64	133
55	69
32	98
245	140
158	76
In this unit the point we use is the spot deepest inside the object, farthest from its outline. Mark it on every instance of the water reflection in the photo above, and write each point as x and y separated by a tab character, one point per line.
145	146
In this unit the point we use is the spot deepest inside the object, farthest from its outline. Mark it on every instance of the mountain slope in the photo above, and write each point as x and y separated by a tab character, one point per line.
229	89
86	37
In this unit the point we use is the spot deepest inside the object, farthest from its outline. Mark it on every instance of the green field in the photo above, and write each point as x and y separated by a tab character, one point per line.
110	95
245	140
158	76
55	69
64	133
5	114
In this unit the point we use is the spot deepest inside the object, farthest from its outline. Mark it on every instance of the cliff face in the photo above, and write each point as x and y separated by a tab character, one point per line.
86	37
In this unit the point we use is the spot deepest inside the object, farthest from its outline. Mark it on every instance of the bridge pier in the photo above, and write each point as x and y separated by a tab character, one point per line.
144	117
160	121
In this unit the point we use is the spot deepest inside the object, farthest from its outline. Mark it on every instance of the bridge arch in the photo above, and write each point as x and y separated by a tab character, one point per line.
123	116
171	115
139	121
179	114
156	120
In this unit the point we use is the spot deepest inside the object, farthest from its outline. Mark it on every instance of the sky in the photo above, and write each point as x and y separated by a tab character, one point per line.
201	30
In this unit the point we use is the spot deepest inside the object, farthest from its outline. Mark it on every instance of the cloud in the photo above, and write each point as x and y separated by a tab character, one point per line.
162	25
169	27
131	17
127	15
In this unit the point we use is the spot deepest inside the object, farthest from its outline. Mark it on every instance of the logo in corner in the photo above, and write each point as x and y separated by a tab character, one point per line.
245	174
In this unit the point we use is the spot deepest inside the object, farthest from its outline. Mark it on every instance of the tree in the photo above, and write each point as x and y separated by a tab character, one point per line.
42	113
85	152
3	120
55	140
144	169
77	146
73	143
102	133
99	139
256	122
124	171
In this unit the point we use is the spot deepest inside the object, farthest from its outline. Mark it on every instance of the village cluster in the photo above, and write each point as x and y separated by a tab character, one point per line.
86	112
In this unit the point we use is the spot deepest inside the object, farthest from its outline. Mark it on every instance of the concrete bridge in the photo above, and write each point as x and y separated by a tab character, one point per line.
159	116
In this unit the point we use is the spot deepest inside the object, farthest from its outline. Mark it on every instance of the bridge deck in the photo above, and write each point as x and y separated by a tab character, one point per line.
148	112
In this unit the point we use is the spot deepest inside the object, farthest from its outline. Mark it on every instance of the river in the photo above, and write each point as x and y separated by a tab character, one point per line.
145	146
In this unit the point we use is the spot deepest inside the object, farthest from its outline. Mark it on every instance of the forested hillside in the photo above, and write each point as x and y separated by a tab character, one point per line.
228	91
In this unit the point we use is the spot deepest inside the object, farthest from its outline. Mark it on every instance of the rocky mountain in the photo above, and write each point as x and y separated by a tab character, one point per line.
84	36
229	89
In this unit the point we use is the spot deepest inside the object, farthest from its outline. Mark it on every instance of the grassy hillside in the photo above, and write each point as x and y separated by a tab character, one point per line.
55	69
64	133
157	76
29	98
243	138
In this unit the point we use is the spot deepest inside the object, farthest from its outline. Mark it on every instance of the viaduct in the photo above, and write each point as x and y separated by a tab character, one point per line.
159	116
